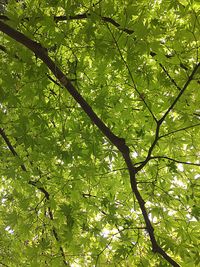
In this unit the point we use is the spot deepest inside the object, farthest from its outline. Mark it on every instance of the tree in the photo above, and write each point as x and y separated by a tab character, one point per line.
104	173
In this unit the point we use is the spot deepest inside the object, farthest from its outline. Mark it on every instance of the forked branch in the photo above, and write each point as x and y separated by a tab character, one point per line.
41	53
161	120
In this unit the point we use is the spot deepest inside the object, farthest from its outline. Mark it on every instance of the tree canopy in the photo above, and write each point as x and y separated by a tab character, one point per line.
99	133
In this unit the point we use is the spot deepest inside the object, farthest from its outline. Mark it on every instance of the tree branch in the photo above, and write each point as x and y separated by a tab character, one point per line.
115	140
150	149
155	247
34	183
81	17
179	130
160	121
169	76
181	92
165	71
175	160
131	76
11	148
41	53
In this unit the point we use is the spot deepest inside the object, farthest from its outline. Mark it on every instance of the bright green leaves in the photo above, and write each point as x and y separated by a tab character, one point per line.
129	61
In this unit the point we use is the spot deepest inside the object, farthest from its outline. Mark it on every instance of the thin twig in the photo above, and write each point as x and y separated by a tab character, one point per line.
131	76
175	160
166	72
169	76
179	130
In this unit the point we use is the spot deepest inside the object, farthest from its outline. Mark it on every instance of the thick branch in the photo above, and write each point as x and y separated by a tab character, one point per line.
115	140
155	247
41	53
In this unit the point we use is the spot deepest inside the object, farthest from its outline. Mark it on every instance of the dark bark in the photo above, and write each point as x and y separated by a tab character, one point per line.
41	53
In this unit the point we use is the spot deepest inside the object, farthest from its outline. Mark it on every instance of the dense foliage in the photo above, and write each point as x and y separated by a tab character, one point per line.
71	193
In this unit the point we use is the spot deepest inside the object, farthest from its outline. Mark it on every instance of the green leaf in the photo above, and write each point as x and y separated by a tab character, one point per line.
71	191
